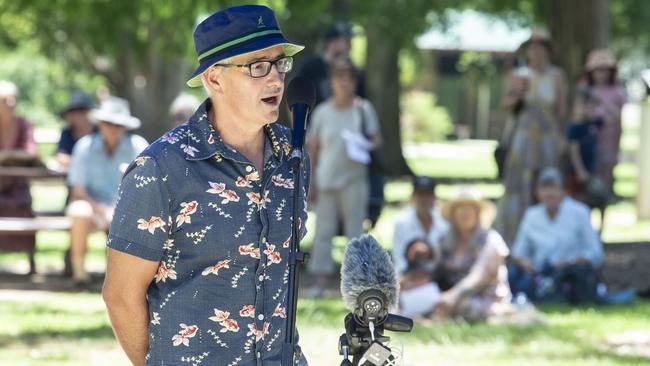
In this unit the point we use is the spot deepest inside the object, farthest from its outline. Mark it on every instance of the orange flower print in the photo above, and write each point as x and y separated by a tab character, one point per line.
184	335
247	311
287	242
253	177
223	318
151	225
229	325
282	182
219	316
215	269
188	208
211	139
280	312
140	160
259	334
216	188
243	182
256	198
164	273
249	250
229	196
274	257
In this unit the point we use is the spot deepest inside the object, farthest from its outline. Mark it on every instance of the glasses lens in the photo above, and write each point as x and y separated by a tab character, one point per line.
260	68
285	64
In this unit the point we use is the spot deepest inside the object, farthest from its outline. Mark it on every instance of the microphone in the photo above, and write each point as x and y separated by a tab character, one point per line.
369	289
368	284
301	96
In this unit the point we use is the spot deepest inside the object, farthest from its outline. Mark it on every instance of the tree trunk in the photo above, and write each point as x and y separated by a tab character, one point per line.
383	89
577	27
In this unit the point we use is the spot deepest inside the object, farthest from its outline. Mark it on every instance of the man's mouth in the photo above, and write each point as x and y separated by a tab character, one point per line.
275	100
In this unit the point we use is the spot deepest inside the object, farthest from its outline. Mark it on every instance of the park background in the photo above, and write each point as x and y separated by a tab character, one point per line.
434	71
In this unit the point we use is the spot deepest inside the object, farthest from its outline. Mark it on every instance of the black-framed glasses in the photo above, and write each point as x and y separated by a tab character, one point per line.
260	69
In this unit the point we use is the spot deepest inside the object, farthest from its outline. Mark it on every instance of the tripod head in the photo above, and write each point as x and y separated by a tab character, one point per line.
364	330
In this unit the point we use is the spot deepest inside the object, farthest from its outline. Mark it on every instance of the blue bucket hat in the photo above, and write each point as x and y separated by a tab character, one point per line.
236	31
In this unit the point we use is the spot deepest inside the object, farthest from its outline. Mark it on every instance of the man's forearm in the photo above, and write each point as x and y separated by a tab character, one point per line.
130	323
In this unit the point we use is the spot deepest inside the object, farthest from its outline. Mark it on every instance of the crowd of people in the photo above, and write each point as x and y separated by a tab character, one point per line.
543	247
94	149
464	259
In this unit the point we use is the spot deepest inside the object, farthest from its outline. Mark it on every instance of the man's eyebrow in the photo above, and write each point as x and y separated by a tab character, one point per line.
265	58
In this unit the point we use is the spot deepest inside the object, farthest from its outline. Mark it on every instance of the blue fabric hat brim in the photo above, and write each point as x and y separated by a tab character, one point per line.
254	45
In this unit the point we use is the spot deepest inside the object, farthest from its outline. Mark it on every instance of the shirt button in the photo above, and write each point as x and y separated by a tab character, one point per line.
261	278
260	317
259	355
264	240
249	168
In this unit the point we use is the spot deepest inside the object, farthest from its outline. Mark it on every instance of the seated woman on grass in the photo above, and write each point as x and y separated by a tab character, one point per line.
472	272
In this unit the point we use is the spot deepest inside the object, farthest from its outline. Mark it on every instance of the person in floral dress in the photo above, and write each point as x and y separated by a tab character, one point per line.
199	245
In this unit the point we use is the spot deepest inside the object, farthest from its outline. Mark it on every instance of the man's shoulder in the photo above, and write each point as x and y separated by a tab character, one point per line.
405	216
574	206
138	141
534	211
84	143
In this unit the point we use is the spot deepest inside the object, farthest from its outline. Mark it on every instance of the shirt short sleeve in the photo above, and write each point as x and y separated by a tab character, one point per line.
141	223
66	142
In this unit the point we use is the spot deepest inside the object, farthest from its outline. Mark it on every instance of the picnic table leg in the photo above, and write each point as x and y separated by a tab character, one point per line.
32	261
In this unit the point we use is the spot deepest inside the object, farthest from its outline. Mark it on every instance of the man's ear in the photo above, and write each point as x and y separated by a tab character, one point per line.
212	79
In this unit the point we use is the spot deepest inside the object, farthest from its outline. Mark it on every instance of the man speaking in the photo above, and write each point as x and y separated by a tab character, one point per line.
199	240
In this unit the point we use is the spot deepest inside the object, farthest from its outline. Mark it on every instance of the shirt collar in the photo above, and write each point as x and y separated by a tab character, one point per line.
203	140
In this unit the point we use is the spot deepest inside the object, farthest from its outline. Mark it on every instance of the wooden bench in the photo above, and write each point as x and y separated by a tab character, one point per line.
22	226
29	226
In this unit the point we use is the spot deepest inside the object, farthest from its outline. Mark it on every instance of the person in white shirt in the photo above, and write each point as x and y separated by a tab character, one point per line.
421	220
557	253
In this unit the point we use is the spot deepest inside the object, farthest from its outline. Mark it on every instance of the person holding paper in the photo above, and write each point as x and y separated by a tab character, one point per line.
340	152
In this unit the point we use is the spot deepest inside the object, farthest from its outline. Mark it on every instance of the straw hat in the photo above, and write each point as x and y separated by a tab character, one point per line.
115	111
540	35
600	59
470	196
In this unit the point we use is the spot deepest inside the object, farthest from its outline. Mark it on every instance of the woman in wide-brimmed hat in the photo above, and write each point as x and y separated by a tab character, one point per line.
602	82
472	271
535	96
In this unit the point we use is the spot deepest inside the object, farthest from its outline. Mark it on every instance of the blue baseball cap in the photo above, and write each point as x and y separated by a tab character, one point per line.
235	31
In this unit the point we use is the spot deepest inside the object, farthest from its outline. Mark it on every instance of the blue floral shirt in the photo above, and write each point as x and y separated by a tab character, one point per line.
221	231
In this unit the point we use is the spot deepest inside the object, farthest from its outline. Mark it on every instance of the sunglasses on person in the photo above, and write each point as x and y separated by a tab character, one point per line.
260	69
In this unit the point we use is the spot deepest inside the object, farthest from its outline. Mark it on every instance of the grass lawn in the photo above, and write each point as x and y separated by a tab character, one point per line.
49	329
57	328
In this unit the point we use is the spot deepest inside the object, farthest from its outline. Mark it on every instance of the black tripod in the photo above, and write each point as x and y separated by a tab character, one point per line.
364	337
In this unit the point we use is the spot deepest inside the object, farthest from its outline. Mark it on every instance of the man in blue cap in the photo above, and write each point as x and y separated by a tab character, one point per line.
200	238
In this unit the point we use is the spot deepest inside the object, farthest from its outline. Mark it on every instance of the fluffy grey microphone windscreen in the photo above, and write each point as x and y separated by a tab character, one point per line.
366	265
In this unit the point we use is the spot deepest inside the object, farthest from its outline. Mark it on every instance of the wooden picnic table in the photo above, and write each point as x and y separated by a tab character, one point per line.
31	172
19	226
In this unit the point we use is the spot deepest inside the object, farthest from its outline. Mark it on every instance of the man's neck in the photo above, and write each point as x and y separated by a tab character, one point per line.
246	138
425	218
552	211
343	103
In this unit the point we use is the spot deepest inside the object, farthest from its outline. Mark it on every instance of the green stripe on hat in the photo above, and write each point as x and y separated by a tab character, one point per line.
237	41
290	49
